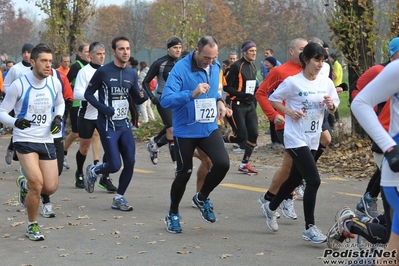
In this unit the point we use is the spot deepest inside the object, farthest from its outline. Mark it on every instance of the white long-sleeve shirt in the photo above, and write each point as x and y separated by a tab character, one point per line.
37	100
381	88
16	71
86	110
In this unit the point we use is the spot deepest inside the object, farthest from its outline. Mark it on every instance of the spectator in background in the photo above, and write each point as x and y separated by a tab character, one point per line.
9	64
270	63
338	75
134	109
145	107
264	70
65	63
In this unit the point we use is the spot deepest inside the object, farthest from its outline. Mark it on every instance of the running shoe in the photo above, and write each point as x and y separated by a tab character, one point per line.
314	235
33	232
299	191
21	183
369	205
206	209
153	152
79	180
246	169
65	163
337	233
262	201
238	150
287	208
9	155
90	178
271	219
106	183
121	204
47	210
172	221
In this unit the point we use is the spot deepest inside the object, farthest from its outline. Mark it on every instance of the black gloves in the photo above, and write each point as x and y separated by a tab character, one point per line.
109	111
392	155
249	97
22	123
56	125
68	104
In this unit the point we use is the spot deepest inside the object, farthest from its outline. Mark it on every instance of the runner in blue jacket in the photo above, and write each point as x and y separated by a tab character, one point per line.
191	91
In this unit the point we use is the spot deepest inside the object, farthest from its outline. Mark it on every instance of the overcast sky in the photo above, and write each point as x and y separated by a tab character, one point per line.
31	6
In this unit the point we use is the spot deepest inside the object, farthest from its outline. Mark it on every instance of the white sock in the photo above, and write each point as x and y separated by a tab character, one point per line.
118	196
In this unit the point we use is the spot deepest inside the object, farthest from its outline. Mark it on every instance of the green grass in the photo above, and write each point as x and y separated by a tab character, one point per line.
343	108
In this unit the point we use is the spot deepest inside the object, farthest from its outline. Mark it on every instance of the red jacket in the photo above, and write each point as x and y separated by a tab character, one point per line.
275	77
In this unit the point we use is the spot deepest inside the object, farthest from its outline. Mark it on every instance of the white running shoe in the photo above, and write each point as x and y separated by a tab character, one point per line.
262	201
299	191
47	210
271	219
287	208
337	233
314	234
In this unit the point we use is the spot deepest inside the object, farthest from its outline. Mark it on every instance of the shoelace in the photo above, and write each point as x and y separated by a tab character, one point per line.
35	228
48	208
175	221
122	201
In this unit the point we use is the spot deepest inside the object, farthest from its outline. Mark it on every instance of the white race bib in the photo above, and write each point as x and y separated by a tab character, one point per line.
205	110
313	121
250	86
121	109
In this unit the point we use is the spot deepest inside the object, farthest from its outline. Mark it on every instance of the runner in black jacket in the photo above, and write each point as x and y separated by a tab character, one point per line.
161	69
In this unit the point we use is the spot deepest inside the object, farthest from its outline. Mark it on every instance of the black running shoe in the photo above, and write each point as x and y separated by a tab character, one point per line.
106	183
79	183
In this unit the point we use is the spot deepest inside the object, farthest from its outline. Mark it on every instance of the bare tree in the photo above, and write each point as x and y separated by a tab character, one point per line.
64	23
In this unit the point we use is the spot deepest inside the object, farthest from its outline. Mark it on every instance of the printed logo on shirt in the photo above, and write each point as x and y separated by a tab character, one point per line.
112	79
127	81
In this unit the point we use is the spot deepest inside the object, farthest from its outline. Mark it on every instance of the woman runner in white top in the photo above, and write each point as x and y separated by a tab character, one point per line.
306	96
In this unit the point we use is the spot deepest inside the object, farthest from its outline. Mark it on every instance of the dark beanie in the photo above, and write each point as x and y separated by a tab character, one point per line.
172	41
27	47
271	60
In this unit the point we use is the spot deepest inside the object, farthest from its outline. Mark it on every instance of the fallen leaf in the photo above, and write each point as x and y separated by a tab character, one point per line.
183	251
142	252
64	255
260	254
17	223
121	257
152	242
225	256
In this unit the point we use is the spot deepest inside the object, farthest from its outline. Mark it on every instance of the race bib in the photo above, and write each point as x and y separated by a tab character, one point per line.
205	110
39	114
313	121
121	108
250	86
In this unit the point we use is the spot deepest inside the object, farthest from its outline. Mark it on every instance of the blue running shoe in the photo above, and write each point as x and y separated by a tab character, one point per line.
206	209
21	183
90	178
121	204
172	221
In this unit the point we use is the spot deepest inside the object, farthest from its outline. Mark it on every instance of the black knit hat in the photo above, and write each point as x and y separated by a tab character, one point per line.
271	60
27	47
172	41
